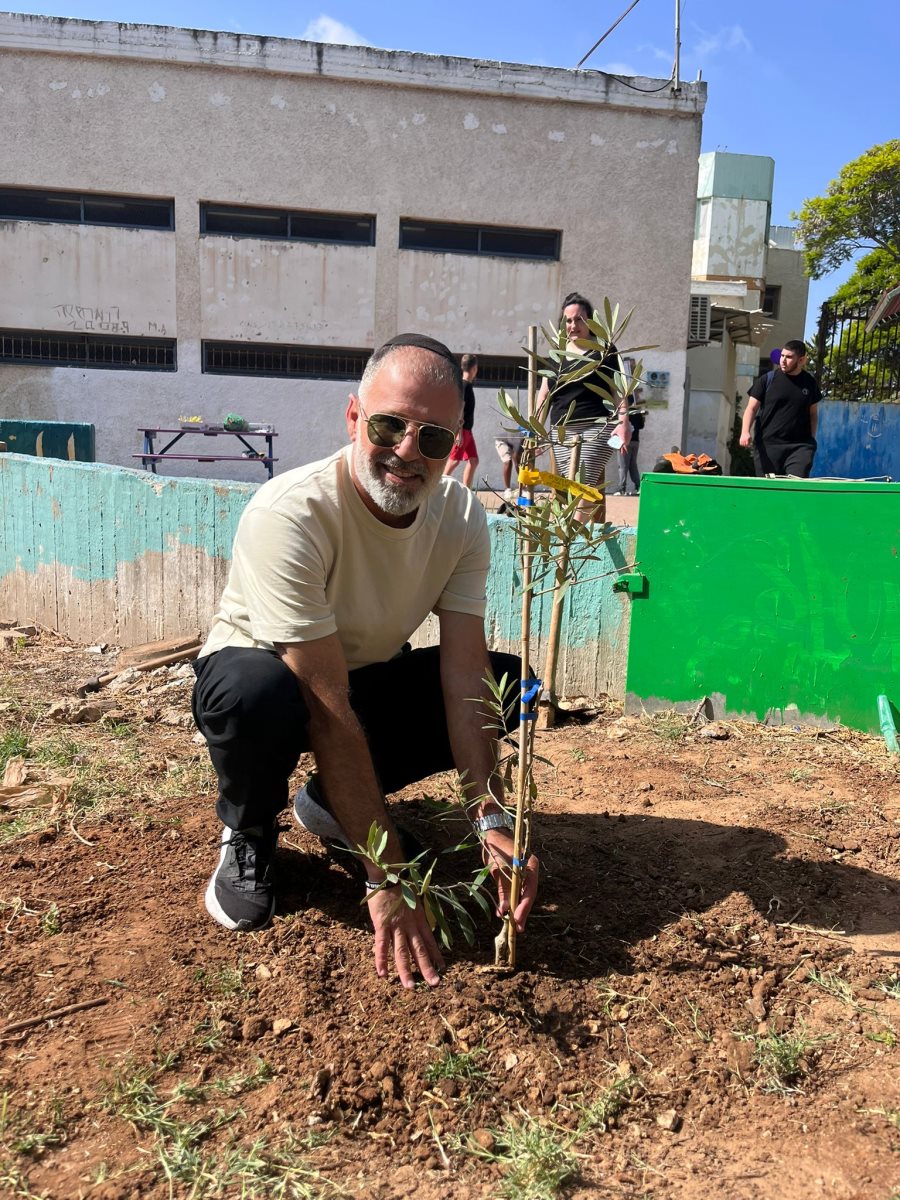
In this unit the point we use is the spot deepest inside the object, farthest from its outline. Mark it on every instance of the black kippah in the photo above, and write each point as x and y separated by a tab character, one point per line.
421	341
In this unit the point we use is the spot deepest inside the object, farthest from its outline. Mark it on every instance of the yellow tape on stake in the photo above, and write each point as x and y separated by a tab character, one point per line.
529	478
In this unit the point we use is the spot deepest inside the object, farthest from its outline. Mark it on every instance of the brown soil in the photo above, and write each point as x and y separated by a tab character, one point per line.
703	899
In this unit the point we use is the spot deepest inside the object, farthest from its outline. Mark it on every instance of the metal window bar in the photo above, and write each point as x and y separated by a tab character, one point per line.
287	362
504	372
32	348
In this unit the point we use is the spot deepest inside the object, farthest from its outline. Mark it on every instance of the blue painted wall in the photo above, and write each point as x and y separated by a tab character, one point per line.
858	441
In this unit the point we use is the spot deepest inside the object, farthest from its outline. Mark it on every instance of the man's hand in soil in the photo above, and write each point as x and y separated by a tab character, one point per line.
405	930
498	849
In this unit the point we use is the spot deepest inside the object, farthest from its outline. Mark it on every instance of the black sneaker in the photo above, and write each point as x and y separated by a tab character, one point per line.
312	814
239	895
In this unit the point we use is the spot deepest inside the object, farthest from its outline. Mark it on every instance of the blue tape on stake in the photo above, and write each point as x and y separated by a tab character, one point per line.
524	502
518	862
528	716
530	689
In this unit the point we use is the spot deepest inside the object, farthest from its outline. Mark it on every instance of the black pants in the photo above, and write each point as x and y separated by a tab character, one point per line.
784	458
248	706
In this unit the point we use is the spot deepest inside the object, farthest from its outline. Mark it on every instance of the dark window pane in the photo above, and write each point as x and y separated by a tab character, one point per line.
478	239
771	301
73	207
325	227
39	206
421	235
145	214
246	222
521	243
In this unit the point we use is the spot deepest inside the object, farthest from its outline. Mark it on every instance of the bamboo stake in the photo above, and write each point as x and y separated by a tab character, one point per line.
548	710
505	944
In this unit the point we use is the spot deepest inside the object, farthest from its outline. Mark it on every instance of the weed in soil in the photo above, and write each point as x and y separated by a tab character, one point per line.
600	1113
13	744
783	1059
667	726
534	1157
181	1118
457	1066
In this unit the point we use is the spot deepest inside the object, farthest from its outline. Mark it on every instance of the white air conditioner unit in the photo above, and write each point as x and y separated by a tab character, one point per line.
698	326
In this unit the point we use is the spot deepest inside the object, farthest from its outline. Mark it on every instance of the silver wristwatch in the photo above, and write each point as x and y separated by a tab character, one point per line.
495	820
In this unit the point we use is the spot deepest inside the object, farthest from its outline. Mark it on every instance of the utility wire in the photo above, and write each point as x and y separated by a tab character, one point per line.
621	78
606	35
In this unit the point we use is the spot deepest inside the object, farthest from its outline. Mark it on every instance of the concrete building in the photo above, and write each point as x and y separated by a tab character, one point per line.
194	223
786	293
748	295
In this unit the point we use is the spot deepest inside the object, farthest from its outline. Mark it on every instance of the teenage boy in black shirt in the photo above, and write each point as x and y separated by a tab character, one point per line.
783	415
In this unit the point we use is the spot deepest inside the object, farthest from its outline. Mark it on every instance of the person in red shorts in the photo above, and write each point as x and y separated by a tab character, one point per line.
465	449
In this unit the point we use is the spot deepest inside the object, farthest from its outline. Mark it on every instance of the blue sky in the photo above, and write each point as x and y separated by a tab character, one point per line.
811	83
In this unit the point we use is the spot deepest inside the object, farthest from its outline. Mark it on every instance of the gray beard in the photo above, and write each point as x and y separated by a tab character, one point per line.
396	501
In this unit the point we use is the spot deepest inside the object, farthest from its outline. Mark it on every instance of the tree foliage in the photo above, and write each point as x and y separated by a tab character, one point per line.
875	273
859	211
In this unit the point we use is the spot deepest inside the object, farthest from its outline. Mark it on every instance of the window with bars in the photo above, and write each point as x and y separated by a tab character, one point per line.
355	229
41	349
84	208
287	362
445	237
503	371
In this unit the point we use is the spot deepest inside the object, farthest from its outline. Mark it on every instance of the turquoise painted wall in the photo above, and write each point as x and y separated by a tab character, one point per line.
109	553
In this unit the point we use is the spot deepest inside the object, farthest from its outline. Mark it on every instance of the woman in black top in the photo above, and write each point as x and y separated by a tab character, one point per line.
593	418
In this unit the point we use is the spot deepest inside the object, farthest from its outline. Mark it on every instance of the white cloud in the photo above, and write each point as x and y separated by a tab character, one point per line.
619	68
327	29
731	37
662	55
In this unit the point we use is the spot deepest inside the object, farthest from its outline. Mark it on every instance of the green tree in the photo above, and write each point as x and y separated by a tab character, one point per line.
859	211
875	273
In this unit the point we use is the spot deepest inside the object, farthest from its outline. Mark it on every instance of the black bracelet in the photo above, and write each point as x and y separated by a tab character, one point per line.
373	885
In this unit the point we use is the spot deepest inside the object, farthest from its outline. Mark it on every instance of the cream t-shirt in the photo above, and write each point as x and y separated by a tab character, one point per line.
309	560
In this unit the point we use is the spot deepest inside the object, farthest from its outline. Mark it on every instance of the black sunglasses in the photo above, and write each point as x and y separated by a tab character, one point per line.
386	429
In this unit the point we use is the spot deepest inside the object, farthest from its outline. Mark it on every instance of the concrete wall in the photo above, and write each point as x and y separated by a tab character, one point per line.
295	292
481	303
153	560
785	269
734	197
87	278
732	243
235	119
731	246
